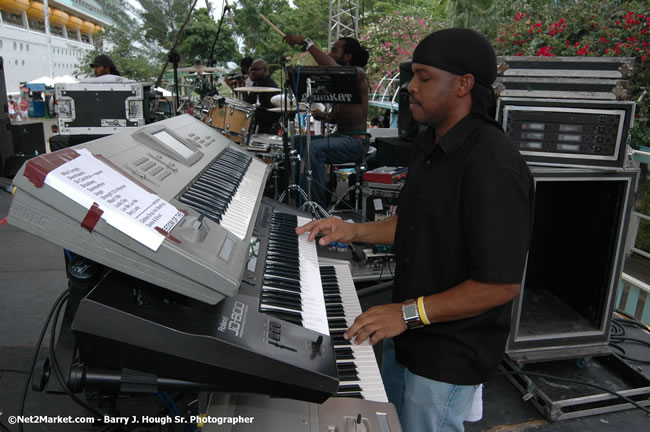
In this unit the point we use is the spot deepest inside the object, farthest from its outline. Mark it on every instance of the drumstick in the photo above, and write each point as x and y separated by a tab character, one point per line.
271	24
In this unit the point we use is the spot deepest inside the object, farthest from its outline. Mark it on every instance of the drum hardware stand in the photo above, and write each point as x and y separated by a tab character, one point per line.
289	160
356	188
311	206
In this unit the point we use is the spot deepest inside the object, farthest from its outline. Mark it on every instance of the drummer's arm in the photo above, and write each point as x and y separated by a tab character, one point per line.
232	84
321	57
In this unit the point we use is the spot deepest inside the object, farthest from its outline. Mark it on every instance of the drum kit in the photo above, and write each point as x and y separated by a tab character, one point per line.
235	119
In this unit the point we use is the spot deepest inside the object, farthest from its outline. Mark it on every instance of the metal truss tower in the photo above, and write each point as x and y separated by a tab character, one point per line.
344	20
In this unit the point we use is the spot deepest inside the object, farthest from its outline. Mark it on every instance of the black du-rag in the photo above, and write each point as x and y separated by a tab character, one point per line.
463	51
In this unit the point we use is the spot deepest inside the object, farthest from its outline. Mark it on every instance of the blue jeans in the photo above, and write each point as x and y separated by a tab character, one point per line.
332	149
424	405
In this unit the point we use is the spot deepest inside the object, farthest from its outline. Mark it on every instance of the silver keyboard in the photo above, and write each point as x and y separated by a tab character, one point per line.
205	254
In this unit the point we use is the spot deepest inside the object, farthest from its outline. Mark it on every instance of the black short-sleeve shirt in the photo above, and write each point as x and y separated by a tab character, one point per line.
266	120
465	212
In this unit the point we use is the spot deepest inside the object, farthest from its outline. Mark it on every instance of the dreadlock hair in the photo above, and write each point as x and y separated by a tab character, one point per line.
359	53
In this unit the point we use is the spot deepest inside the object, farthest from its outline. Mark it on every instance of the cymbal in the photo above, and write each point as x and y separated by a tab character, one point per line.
278	109
255	89
201	68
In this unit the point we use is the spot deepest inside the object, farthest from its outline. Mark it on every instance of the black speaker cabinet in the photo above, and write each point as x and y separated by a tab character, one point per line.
29	138
6	145
574	264
393	151
4	103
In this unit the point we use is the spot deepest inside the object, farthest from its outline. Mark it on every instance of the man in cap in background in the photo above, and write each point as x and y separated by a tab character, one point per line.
461	235
105	71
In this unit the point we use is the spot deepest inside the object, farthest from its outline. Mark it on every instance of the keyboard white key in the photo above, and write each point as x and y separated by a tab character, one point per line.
310	284
372	387
237	217
292	286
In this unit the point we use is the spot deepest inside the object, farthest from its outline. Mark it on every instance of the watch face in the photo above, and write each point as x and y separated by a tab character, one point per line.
410	311
411	315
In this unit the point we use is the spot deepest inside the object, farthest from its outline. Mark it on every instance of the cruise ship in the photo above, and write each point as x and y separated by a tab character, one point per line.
30	51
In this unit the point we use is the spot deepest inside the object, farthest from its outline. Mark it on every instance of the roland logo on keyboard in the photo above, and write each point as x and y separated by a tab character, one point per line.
235	323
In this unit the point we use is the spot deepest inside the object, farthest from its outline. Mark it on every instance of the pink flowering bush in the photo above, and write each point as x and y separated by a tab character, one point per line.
585	28
391	40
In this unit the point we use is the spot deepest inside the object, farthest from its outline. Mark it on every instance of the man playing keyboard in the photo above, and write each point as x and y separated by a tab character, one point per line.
461	235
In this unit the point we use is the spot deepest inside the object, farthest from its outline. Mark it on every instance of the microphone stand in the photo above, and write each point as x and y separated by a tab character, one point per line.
285	128
313	207
211	60
174	58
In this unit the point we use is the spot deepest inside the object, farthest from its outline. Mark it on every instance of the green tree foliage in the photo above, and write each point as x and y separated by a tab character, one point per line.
199	36
259	39
162	19
465	13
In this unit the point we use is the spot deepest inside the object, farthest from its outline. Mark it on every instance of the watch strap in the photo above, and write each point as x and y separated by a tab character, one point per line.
307	44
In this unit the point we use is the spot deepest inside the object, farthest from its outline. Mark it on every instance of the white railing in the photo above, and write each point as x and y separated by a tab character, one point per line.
634	302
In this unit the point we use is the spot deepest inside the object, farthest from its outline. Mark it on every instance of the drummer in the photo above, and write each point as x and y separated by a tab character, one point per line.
266	121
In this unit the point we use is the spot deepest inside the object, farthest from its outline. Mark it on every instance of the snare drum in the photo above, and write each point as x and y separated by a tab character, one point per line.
232	117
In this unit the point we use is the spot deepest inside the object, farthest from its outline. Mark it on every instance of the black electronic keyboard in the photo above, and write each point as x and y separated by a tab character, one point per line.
127	323
289	280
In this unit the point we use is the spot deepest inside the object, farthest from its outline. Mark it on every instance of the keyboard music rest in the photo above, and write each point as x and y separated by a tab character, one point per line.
359	374
128	323
287	278
281	415
208	261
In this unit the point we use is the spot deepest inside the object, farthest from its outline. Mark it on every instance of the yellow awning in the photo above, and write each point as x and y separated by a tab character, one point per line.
14	6
58	17
87	27
97	29
74	23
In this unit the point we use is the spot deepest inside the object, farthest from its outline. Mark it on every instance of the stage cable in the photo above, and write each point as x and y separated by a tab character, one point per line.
55	363
28	380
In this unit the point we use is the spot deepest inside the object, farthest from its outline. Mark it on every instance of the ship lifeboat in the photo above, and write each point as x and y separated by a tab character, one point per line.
87	27
74	23
58	17
37	10
14	6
